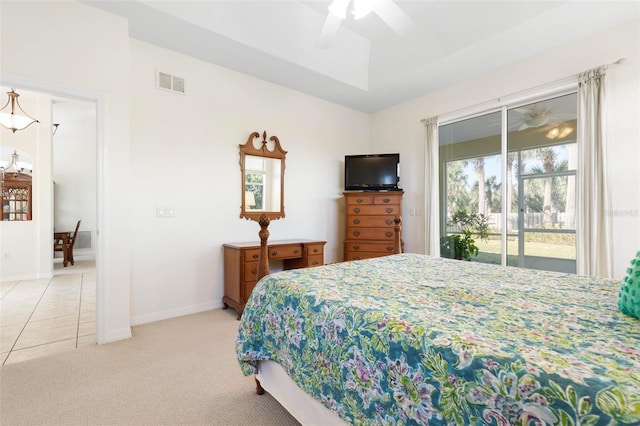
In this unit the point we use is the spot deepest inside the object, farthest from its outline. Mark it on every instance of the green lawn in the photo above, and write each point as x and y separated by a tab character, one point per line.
490	251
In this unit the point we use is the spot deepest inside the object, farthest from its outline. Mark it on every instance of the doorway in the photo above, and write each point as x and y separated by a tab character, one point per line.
65	303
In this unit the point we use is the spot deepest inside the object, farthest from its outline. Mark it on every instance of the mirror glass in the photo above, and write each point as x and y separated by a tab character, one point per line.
262	178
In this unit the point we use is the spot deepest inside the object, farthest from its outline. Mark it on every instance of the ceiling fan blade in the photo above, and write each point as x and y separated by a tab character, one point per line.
393	16
329	31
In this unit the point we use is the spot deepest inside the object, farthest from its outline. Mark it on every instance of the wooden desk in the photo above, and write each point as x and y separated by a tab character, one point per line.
241	265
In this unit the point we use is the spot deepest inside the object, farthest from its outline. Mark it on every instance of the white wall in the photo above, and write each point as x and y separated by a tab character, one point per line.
185	155
399	128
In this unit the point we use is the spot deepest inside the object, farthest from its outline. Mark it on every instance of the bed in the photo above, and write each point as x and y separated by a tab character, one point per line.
413	339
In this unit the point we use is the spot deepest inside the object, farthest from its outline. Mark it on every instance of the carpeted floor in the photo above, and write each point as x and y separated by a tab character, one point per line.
180	371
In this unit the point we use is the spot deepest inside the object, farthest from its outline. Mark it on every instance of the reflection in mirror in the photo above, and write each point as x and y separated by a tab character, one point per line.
262	183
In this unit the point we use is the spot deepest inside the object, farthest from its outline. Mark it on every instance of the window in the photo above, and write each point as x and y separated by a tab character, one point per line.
536	159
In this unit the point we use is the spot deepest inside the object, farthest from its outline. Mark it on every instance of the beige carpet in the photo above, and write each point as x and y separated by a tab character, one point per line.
180	371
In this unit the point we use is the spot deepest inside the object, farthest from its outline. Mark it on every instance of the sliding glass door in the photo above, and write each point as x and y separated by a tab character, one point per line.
521	160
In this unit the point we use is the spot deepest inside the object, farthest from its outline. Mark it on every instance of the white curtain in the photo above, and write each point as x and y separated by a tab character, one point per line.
431	188
593	227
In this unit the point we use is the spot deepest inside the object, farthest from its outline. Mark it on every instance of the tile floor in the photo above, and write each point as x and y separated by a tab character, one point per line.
45	316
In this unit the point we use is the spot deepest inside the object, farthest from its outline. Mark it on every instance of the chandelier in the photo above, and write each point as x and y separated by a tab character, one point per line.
12	116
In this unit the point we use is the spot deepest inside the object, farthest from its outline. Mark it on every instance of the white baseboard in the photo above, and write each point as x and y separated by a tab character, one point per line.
173	313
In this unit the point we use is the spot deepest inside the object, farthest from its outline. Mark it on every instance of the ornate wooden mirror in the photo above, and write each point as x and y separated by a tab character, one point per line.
262	190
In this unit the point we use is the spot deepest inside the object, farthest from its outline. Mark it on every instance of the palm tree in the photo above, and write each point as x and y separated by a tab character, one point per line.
478	166
548	156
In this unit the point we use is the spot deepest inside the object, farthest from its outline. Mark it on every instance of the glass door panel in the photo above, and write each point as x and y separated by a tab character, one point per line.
471	196
542	160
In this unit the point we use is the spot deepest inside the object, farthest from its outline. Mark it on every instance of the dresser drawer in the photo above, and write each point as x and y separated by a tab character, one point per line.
375	209
285	252
370	234
359	199
384	248
369	221
351	255
388	199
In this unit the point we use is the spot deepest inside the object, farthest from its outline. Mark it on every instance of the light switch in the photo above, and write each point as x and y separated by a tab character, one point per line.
165	212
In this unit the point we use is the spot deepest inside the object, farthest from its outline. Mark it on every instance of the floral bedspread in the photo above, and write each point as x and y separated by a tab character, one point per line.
412	339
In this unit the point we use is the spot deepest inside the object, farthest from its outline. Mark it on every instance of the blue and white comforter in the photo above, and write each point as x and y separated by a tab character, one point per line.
412	339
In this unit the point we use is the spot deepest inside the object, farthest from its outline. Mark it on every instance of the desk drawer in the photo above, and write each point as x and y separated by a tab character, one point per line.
252	255
250	271
315	249
248	288
285	252
316	260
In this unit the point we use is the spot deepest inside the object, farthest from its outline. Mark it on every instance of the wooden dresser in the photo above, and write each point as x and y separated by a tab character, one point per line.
241	265
370	223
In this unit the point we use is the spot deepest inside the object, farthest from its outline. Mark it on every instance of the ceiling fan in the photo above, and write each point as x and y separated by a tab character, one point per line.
387	10
534	116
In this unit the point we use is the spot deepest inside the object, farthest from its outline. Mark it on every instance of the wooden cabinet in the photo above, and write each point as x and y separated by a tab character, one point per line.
370	223
16	196
241	265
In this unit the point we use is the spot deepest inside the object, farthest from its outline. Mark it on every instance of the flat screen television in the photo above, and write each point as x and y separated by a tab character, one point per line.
371	172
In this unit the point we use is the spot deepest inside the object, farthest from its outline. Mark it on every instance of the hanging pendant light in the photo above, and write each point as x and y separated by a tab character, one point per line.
13	167
12	120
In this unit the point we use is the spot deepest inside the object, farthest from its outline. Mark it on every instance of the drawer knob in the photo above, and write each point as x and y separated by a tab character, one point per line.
356	210
296	251
356	221
388	234
389	210
386	200
359	200
254	271
315	250
255	256
356	247
315	262
356	233
388	221
389	248
274	253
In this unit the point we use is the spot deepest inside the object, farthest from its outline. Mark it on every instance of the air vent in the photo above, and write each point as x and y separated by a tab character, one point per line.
170	82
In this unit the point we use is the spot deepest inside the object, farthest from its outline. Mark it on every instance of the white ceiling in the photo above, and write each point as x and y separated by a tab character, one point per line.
368	67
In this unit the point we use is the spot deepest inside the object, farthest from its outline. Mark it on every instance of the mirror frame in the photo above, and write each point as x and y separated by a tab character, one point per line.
248	148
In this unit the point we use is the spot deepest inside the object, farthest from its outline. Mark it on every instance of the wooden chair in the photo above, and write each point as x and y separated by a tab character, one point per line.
64	241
